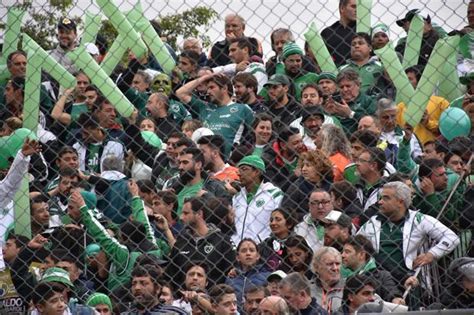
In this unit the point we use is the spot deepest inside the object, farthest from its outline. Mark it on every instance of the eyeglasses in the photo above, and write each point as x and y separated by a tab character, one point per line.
319	202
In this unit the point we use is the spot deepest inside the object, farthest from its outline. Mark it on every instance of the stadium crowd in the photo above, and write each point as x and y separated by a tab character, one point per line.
240	185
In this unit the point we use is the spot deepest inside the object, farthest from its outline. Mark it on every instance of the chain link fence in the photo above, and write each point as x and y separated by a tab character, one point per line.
218	157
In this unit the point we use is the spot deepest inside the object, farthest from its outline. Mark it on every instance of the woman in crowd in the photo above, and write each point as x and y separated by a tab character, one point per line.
273	249
316	172
249	271
257	140
299	255
334	143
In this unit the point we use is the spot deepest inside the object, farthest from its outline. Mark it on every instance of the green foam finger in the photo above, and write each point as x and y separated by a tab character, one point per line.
413	43
99	78
12	31
32	92
151	38
320	50
449	86
49	64
123	26
91	28
114	55
363	9
394	68
429	79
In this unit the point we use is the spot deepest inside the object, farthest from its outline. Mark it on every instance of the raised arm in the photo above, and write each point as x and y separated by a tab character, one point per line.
115	252
58	110
185	92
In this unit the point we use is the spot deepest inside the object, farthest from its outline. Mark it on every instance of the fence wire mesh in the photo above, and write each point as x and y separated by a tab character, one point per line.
217	157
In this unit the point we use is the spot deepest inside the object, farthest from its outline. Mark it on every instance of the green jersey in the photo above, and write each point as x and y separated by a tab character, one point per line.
303	80
229	121
369	73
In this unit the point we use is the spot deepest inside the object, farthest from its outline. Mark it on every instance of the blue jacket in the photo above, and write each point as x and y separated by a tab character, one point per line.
256	276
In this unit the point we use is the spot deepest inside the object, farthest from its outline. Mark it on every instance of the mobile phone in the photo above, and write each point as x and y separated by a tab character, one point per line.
337	98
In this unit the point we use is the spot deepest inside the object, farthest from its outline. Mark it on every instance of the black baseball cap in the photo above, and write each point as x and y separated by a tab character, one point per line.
67	24
312	111
409	16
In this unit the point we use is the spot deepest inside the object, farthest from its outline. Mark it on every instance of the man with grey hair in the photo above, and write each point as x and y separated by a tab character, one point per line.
296	291
406	239
273	305
329	284
234	28
112	188
194	44
391	133
352	103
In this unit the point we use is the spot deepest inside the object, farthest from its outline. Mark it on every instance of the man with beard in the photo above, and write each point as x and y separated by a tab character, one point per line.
312	117
252	297
432	192
211	147
281	105
239	53
245	89
281	157
337	230
200	242
166	115
67	36
193	181
221	114
146	290
292	56
68	179
165	166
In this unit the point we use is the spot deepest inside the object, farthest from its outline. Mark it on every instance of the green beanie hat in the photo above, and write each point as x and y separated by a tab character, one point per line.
151	138
59	275
99	298
379	28
289	49
326	75
254	161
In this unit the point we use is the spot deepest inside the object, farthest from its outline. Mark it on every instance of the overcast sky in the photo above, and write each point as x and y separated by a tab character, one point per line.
264	15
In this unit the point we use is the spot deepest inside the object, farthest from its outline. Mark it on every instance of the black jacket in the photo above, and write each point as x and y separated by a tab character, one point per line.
338	40
427	44
297	195
220	52
214	249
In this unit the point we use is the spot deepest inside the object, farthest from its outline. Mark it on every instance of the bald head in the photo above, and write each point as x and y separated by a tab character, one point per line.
273	305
